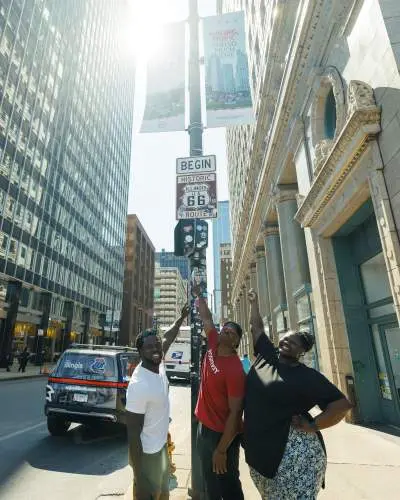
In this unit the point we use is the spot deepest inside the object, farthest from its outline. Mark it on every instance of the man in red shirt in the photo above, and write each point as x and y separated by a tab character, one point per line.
219	408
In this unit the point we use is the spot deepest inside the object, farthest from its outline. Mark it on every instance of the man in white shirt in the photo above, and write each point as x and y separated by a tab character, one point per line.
147	405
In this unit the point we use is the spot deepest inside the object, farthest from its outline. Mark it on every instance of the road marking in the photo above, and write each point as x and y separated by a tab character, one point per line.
22	431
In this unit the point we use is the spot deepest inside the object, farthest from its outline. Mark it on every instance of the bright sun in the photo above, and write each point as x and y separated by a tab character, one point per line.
145	34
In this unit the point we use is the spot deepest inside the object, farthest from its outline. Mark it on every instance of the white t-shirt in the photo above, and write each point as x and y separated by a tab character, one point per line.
148	394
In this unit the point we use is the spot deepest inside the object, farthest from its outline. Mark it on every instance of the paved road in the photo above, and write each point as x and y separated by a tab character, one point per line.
84	465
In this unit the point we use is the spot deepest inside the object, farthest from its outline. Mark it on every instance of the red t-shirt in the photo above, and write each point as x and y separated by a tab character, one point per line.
221	377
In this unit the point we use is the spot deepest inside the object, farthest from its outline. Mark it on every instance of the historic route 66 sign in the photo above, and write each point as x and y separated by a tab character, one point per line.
196	196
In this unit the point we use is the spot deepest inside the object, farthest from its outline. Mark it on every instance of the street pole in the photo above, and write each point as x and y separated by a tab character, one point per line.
198	259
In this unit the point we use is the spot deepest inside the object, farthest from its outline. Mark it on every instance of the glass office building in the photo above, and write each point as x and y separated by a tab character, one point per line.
169	259
221	228
66	111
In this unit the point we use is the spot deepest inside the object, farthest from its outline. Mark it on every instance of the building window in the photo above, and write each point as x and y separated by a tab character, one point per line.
330	115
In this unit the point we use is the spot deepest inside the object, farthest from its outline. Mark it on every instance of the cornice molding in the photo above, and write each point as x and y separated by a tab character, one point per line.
362	125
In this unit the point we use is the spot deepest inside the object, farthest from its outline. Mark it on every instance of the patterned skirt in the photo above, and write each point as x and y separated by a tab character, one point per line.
301	472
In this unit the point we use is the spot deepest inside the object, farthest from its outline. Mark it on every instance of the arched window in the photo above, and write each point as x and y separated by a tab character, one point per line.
330	115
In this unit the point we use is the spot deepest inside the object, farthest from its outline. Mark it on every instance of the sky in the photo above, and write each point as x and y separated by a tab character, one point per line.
153	180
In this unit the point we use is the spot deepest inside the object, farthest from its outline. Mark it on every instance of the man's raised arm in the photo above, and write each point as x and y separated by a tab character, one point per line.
171	334
204	311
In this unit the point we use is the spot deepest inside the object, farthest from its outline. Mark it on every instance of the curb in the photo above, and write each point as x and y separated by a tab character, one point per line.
36	375
178	493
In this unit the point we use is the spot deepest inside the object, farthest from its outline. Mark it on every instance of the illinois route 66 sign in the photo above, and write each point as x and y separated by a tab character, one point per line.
196	196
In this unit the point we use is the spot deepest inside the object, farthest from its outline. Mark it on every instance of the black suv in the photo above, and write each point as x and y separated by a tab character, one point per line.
89	385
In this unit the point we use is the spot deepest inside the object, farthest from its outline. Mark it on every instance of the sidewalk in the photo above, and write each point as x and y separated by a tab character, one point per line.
30	372
363	464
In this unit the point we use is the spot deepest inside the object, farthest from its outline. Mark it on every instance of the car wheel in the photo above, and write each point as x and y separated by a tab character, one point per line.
57	426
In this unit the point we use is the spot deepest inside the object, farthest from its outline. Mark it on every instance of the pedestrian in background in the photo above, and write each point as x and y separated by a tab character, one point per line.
9	360
283	444
246	363
219	407
148	414
23	360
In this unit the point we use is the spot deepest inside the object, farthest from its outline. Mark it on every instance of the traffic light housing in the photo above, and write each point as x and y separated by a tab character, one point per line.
190	235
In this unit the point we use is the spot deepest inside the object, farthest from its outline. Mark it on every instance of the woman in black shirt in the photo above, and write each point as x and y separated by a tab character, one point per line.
283	445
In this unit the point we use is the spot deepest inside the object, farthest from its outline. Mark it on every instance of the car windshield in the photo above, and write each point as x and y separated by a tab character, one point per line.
128	364
87	366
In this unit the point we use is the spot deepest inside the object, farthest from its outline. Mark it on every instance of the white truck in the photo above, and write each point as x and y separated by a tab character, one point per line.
177	358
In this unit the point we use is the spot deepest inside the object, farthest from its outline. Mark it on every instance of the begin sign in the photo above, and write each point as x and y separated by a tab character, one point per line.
196	164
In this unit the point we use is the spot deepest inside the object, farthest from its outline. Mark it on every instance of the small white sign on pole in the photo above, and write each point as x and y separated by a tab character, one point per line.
196	165
40	332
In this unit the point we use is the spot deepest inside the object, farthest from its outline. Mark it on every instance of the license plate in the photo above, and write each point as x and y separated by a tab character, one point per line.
81	398
170	367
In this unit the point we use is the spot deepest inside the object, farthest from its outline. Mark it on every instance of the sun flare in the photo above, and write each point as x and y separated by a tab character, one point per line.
145	35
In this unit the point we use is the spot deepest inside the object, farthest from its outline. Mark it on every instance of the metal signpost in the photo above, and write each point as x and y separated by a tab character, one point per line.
196	199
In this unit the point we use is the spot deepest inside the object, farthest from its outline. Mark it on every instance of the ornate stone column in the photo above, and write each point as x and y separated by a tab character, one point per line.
245	289
262	287
253	275
294	251
237	311
276	282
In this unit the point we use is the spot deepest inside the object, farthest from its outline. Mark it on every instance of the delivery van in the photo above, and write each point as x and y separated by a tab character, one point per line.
177	358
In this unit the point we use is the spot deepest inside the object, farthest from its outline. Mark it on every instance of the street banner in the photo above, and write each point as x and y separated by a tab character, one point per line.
228	95
196	196
165	90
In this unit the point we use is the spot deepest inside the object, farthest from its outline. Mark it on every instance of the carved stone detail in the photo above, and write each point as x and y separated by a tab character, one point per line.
270	229
363	125
260	251
330	79
284	192
322	151
359	95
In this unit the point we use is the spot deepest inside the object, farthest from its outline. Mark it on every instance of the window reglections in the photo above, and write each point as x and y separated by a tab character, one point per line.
57	169
330	115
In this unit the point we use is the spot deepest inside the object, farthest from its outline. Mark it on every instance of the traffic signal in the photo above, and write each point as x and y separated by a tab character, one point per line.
184	235
201	234
190	235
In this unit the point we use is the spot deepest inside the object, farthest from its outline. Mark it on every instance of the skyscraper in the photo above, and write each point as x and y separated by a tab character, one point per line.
221	234
137	304
66	110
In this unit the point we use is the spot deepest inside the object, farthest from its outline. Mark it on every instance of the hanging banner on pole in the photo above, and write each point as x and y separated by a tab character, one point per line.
165	89
228	95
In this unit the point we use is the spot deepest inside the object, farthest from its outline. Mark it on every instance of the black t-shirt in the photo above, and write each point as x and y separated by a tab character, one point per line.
275	392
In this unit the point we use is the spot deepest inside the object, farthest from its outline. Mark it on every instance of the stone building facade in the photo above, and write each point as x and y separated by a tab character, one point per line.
225	263
316	227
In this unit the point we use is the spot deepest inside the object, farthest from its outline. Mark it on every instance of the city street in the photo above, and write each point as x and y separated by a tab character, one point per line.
85	465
